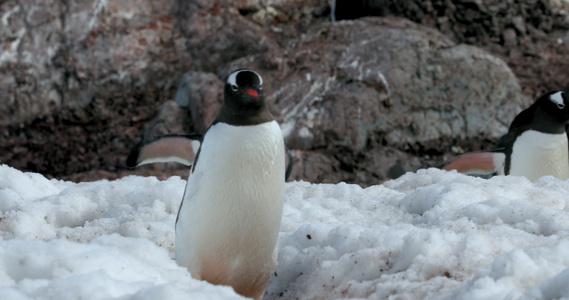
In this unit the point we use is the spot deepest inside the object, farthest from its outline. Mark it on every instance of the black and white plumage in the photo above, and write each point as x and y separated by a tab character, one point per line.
228	223
536	144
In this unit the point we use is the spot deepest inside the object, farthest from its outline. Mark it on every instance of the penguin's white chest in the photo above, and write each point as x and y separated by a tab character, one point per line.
228	223
536	154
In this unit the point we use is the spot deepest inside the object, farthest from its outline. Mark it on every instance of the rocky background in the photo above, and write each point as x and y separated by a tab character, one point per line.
364	90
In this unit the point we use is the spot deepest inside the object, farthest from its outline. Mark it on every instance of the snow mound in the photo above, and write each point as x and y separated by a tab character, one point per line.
426	235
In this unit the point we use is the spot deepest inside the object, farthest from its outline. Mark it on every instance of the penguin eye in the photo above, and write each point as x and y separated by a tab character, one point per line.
560	105
234	88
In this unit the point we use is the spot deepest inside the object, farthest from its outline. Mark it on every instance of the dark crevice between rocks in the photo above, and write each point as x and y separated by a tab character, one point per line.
354	9
246	11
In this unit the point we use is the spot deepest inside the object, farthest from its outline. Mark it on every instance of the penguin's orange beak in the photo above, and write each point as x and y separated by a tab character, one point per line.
252	92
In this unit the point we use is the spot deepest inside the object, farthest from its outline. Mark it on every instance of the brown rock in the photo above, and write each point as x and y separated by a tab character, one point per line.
360	101
356	88
202	94
171	118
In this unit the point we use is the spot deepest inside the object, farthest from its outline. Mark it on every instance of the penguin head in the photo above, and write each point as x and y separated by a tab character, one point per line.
244	90
244	102
559	98
554	106
548	114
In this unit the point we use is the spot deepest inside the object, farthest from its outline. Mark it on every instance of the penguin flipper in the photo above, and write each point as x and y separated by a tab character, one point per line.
479	164
288	162
179	148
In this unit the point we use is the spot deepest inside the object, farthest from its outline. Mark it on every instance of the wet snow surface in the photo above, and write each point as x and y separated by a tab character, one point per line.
427	235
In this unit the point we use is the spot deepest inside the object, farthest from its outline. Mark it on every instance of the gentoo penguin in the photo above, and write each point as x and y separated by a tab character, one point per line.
536	144
229	219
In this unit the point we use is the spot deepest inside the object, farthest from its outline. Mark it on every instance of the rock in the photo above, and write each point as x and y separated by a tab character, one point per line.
59	53
27	51
510	37
67	53
216	33
202	94
357	88
314	166
478	22
519	24
171	118
360	101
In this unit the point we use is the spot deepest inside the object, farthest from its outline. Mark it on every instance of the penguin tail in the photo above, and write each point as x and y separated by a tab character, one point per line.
165	148
479	164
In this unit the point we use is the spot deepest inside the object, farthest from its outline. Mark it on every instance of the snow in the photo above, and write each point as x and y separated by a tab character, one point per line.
432	234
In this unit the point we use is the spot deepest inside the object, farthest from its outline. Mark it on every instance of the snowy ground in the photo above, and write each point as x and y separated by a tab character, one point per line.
427	235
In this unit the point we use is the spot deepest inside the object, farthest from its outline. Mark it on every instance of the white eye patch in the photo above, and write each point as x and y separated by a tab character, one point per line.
260	78
232	79
557	98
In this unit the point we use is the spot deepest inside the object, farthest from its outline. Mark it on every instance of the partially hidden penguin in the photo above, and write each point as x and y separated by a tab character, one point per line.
229	219
536	144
